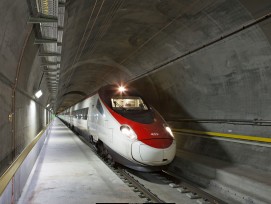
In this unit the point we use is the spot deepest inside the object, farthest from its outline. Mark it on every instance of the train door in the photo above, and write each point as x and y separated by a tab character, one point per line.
103	123
109	130
99	118
108	126
70	116
92	119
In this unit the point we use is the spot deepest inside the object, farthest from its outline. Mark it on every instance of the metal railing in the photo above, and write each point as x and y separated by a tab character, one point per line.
11	171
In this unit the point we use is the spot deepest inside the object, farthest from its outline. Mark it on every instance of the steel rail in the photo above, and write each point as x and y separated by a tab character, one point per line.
194	188
140	187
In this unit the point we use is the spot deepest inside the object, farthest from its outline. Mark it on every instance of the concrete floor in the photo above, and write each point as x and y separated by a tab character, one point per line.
67	171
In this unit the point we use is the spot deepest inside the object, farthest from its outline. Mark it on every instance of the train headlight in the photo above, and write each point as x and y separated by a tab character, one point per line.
122	89
127	131
169	131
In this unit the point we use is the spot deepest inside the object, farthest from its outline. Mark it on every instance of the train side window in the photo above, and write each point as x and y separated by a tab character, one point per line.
80	114
99	107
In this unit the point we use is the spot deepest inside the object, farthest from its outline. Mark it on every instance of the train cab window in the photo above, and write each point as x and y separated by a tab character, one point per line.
128	103
99	107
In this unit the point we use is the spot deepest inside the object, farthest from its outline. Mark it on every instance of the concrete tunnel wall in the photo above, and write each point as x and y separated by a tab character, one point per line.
22	116
227	80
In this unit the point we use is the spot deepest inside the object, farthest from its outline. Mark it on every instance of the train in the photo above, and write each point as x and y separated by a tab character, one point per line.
124	128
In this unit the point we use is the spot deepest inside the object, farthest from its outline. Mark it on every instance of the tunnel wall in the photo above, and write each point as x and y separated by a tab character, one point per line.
228	80
22	115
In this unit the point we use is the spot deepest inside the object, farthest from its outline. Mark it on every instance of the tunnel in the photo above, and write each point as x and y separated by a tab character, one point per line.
201	69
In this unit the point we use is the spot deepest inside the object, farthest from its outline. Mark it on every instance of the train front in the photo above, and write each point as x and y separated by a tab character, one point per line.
152	141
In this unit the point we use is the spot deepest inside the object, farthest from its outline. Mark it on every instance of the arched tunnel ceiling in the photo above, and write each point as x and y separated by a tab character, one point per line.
116	41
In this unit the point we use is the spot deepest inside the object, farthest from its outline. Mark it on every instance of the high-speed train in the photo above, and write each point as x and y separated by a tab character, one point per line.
124	128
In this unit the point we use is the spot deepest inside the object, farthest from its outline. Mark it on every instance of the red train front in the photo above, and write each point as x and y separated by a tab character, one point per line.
141	138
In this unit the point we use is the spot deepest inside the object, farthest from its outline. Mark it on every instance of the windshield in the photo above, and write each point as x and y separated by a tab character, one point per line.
128	103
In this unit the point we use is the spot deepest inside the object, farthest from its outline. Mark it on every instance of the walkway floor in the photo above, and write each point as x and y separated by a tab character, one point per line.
67	171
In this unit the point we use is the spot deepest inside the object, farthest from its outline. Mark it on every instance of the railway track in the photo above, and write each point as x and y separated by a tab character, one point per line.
138	187
183	187
192	190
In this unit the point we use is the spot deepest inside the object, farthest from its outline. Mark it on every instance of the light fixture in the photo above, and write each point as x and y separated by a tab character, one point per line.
38	93
122	89
48	105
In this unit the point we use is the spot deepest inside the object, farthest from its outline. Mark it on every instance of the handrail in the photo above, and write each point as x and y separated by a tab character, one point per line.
10	172
254	122
225	135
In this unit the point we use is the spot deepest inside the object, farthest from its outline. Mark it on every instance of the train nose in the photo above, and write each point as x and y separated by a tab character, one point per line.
153	156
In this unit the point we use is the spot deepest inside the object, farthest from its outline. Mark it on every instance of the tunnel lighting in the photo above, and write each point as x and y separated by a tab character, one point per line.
122	89
38	94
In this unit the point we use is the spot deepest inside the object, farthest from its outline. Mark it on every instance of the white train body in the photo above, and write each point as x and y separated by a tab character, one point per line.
136	144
